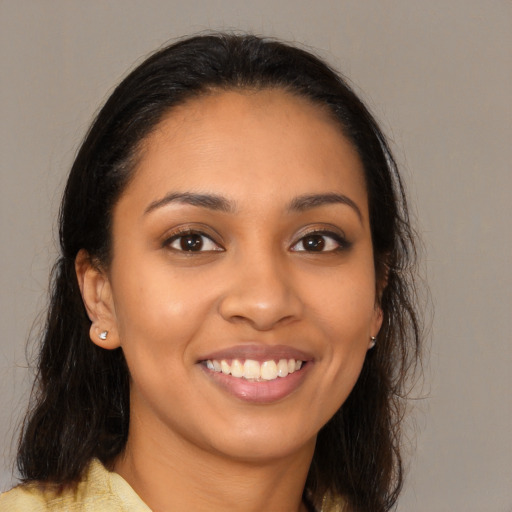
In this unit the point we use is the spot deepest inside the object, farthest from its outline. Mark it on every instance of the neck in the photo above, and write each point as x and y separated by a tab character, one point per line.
172	475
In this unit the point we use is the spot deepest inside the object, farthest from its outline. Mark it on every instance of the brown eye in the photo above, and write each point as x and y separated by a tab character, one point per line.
192	242
321	241
313	243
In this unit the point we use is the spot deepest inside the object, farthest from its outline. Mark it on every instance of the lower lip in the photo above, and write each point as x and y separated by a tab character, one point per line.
259	392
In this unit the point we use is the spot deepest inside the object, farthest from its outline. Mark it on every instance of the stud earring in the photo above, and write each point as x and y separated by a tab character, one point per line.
103	335
373	341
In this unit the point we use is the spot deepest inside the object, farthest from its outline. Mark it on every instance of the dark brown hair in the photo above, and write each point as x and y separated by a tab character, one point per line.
80	405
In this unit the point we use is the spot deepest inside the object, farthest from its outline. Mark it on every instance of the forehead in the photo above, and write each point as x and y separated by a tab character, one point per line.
247	143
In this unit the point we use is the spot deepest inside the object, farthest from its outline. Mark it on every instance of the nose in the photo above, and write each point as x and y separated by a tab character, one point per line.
261	293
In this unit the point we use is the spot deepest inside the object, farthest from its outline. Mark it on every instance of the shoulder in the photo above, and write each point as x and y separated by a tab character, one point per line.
24	498
99	490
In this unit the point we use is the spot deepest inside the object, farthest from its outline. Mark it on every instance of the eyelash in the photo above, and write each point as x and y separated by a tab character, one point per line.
339	240
324	237
181	237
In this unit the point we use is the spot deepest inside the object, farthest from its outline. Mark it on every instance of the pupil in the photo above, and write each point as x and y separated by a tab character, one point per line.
191	242
314	243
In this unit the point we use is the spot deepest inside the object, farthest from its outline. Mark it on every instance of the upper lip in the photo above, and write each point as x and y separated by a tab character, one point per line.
258	352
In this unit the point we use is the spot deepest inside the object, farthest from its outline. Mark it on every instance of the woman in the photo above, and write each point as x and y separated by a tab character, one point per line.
232	319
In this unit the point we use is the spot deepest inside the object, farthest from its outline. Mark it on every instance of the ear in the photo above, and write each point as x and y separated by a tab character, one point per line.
382	271
99	304
378	317
382	278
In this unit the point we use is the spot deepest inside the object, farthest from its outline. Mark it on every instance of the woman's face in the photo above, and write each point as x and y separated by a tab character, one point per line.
241	252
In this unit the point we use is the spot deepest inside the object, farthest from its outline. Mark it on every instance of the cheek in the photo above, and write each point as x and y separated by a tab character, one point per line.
345	305
344	311
157	321
154	310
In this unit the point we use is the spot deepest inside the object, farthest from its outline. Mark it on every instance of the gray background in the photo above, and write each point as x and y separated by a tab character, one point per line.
436	73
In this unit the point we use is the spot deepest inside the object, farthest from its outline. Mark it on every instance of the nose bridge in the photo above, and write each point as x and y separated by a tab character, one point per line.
260	291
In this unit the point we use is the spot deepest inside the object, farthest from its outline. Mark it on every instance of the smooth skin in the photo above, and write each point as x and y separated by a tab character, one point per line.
255	260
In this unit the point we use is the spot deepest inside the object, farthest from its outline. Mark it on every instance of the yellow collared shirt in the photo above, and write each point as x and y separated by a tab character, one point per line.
98	491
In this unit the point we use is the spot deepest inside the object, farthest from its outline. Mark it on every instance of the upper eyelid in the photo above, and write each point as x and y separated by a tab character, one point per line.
324	231
192	230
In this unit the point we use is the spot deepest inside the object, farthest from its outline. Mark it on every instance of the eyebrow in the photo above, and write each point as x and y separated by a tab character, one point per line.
306	202
210	201
219	203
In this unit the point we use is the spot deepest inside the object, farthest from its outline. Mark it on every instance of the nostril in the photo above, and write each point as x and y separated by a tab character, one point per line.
262	323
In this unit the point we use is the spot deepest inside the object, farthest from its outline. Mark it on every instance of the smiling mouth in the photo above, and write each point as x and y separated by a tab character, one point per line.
252	370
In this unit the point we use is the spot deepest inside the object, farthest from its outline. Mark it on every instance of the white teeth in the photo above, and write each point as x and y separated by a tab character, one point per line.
225	367
282	368
237	368
253	370
269	370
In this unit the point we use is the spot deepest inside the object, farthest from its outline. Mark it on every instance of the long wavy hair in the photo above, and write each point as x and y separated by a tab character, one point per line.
80	403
